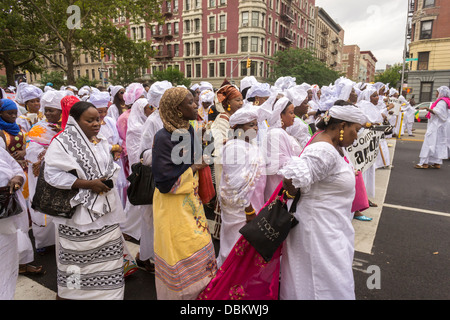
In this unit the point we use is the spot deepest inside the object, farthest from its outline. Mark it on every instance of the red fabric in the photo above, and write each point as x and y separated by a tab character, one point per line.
205	185
361	201
66	104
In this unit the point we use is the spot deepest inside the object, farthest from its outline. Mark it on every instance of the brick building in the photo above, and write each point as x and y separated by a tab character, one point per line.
429	36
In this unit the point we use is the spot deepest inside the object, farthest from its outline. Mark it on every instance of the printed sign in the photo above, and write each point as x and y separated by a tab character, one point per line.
364	151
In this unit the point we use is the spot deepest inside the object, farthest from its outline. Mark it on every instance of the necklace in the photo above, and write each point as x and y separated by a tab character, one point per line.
95	141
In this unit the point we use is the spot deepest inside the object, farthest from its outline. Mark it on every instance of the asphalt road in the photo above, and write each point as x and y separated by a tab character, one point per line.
409	258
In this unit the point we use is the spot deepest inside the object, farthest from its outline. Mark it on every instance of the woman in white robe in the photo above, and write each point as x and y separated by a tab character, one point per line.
318	252
140	110
434	147
84	271
279	146
152	125
118	103
300	130
241	192
12	177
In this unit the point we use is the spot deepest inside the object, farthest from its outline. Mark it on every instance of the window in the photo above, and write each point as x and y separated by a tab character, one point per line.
198	3
188	50
425	30
187	26
211	70
211	3
254	44
198	70
428	3
222	46
212	23
255	19
422	63
169	28
269	25
212	45
244	44
188	71
426	90
187	4
175	28
222	2
176	50
93	74
221	69
244	68
222	22
175	6
141	32
244	19
197	48
197	25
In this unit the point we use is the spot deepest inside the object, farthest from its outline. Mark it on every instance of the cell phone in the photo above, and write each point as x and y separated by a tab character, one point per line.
109	183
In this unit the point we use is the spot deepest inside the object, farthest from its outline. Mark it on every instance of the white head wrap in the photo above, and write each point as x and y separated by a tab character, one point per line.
296	95
248	112
284	83
247	82
156	91
114	90
52	99
48	88
84	91
259	90
348	113
99	99
365	95
195	86
206	96
443	91
204	85
30	92
345	88
274	120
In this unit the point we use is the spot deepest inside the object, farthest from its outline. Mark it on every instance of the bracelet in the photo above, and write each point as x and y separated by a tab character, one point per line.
288	195
250	213
115	148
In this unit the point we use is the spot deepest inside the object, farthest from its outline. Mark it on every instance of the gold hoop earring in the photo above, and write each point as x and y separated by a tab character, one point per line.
180	115
256	103
341	135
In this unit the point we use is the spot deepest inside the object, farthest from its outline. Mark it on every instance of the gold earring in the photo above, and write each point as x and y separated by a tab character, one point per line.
229	107
256	103
180	115
341	135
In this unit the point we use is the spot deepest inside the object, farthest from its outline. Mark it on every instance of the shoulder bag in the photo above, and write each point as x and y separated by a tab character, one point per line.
142	184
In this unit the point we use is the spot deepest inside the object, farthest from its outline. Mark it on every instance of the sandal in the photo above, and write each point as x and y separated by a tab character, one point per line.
371	204
418	166
435	166
362	218
147	265
27	269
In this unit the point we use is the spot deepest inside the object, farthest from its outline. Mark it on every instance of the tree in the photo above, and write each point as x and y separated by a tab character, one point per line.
393	76
72	27
55	77
175	76
303	65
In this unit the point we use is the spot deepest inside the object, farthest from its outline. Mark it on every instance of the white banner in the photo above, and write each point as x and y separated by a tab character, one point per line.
364	151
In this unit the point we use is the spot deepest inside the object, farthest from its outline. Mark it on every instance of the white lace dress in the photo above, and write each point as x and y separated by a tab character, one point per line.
318	253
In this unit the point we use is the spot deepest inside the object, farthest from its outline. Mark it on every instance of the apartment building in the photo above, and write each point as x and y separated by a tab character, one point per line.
429	48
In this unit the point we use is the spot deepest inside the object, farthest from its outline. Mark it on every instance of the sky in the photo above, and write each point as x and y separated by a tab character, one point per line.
377	26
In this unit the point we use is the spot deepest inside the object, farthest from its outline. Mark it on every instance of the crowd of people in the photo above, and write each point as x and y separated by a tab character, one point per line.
251	138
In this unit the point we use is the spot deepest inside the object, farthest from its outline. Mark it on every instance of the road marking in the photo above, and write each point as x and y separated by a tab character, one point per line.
415	140
445	214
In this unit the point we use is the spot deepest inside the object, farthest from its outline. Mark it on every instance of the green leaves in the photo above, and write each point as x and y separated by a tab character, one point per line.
303	65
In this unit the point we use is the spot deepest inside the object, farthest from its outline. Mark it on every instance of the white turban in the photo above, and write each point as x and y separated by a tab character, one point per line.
296	95
195	86
114	90
284	83
30	92
204	85
247	82
259	90
207	96
99	99
273	119
156	91
248	112
348	113
443	91
52	99
365	95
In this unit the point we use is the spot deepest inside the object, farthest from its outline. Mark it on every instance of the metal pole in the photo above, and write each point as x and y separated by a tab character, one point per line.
405	47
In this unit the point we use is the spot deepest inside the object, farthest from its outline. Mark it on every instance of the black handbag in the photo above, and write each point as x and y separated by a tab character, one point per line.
271	226
9	203
142	184
53	201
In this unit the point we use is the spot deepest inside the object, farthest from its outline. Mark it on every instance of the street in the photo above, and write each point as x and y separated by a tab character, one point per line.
402	254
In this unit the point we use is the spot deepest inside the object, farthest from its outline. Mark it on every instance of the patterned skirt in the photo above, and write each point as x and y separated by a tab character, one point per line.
90	264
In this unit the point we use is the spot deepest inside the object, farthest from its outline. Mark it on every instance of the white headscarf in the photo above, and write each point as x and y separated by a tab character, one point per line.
348	113
30	92
296	95
136	122
133	92
365	95
156	91
259	90
52	99
114	90
206	96
274	120
248	112
443	91
247	82
204	85
284	83
99	99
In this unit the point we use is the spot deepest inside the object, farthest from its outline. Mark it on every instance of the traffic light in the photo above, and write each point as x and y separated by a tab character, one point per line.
102	52
249	63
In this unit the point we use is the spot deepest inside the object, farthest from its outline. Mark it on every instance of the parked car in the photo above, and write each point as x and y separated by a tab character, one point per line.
423	113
